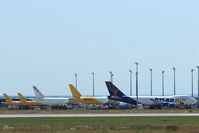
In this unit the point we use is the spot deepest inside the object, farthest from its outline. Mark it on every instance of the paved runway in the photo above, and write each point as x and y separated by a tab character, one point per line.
99	115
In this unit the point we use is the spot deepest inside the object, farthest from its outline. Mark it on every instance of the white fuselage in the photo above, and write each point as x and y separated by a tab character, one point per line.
103	100
53	101
150	100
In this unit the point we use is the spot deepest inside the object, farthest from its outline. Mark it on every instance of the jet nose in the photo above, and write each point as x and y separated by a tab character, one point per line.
194	101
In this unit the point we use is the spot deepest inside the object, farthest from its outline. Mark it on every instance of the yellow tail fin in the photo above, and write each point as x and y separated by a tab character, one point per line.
7	98
22	98
74	91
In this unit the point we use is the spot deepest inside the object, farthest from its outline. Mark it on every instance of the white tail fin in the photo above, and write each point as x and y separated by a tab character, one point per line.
38	94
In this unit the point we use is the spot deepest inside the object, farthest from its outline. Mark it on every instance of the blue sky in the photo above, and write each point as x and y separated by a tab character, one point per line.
44	42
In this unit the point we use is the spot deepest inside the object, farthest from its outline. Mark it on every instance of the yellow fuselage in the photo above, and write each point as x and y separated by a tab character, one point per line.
86	100
28	103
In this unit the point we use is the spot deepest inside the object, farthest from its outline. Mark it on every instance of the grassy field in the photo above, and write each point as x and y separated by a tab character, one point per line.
101	124
98	111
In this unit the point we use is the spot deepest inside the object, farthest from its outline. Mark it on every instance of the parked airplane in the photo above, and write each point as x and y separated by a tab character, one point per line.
78	98
151	101
9	101
49	100
22	102
25	102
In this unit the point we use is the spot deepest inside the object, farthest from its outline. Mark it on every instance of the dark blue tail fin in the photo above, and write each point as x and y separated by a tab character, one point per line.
113	90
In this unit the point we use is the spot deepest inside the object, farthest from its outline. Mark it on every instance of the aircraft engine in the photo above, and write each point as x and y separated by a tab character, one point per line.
170	105
125	105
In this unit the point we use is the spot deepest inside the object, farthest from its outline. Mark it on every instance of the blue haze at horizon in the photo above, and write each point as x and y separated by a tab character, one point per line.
45	42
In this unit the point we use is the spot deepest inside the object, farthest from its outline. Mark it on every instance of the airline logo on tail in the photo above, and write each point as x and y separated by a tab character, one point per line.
113	90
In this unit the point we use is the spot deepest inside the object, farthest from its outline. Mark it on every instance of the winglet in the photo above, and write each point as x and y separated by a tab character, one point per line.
74	91
113	90
22	98
7	98
38	94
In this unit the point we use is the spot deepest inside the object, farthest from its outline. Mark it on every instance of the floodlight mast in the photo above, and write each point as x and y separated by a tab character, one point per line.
151	81
130	82
198	83
174	80
192	70
111	75
136	63
75	80
93	75
163	83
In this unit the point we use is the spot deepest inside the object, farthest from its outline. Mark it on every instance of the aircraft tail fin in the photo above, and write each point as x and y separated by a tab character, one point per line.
74	91
38	94
7	98
22	98
113	90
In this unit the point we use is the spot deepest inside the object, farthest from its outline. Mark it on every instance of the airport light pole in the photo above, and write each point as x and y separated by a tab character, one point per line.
192	70
75	80
174	80
151	81
93	83
111	74
130	82
198	83
136	63
163	83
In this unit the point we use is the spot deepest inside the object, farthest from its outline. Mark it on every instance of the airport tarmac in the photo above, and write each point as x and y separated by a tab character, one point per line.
99	115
